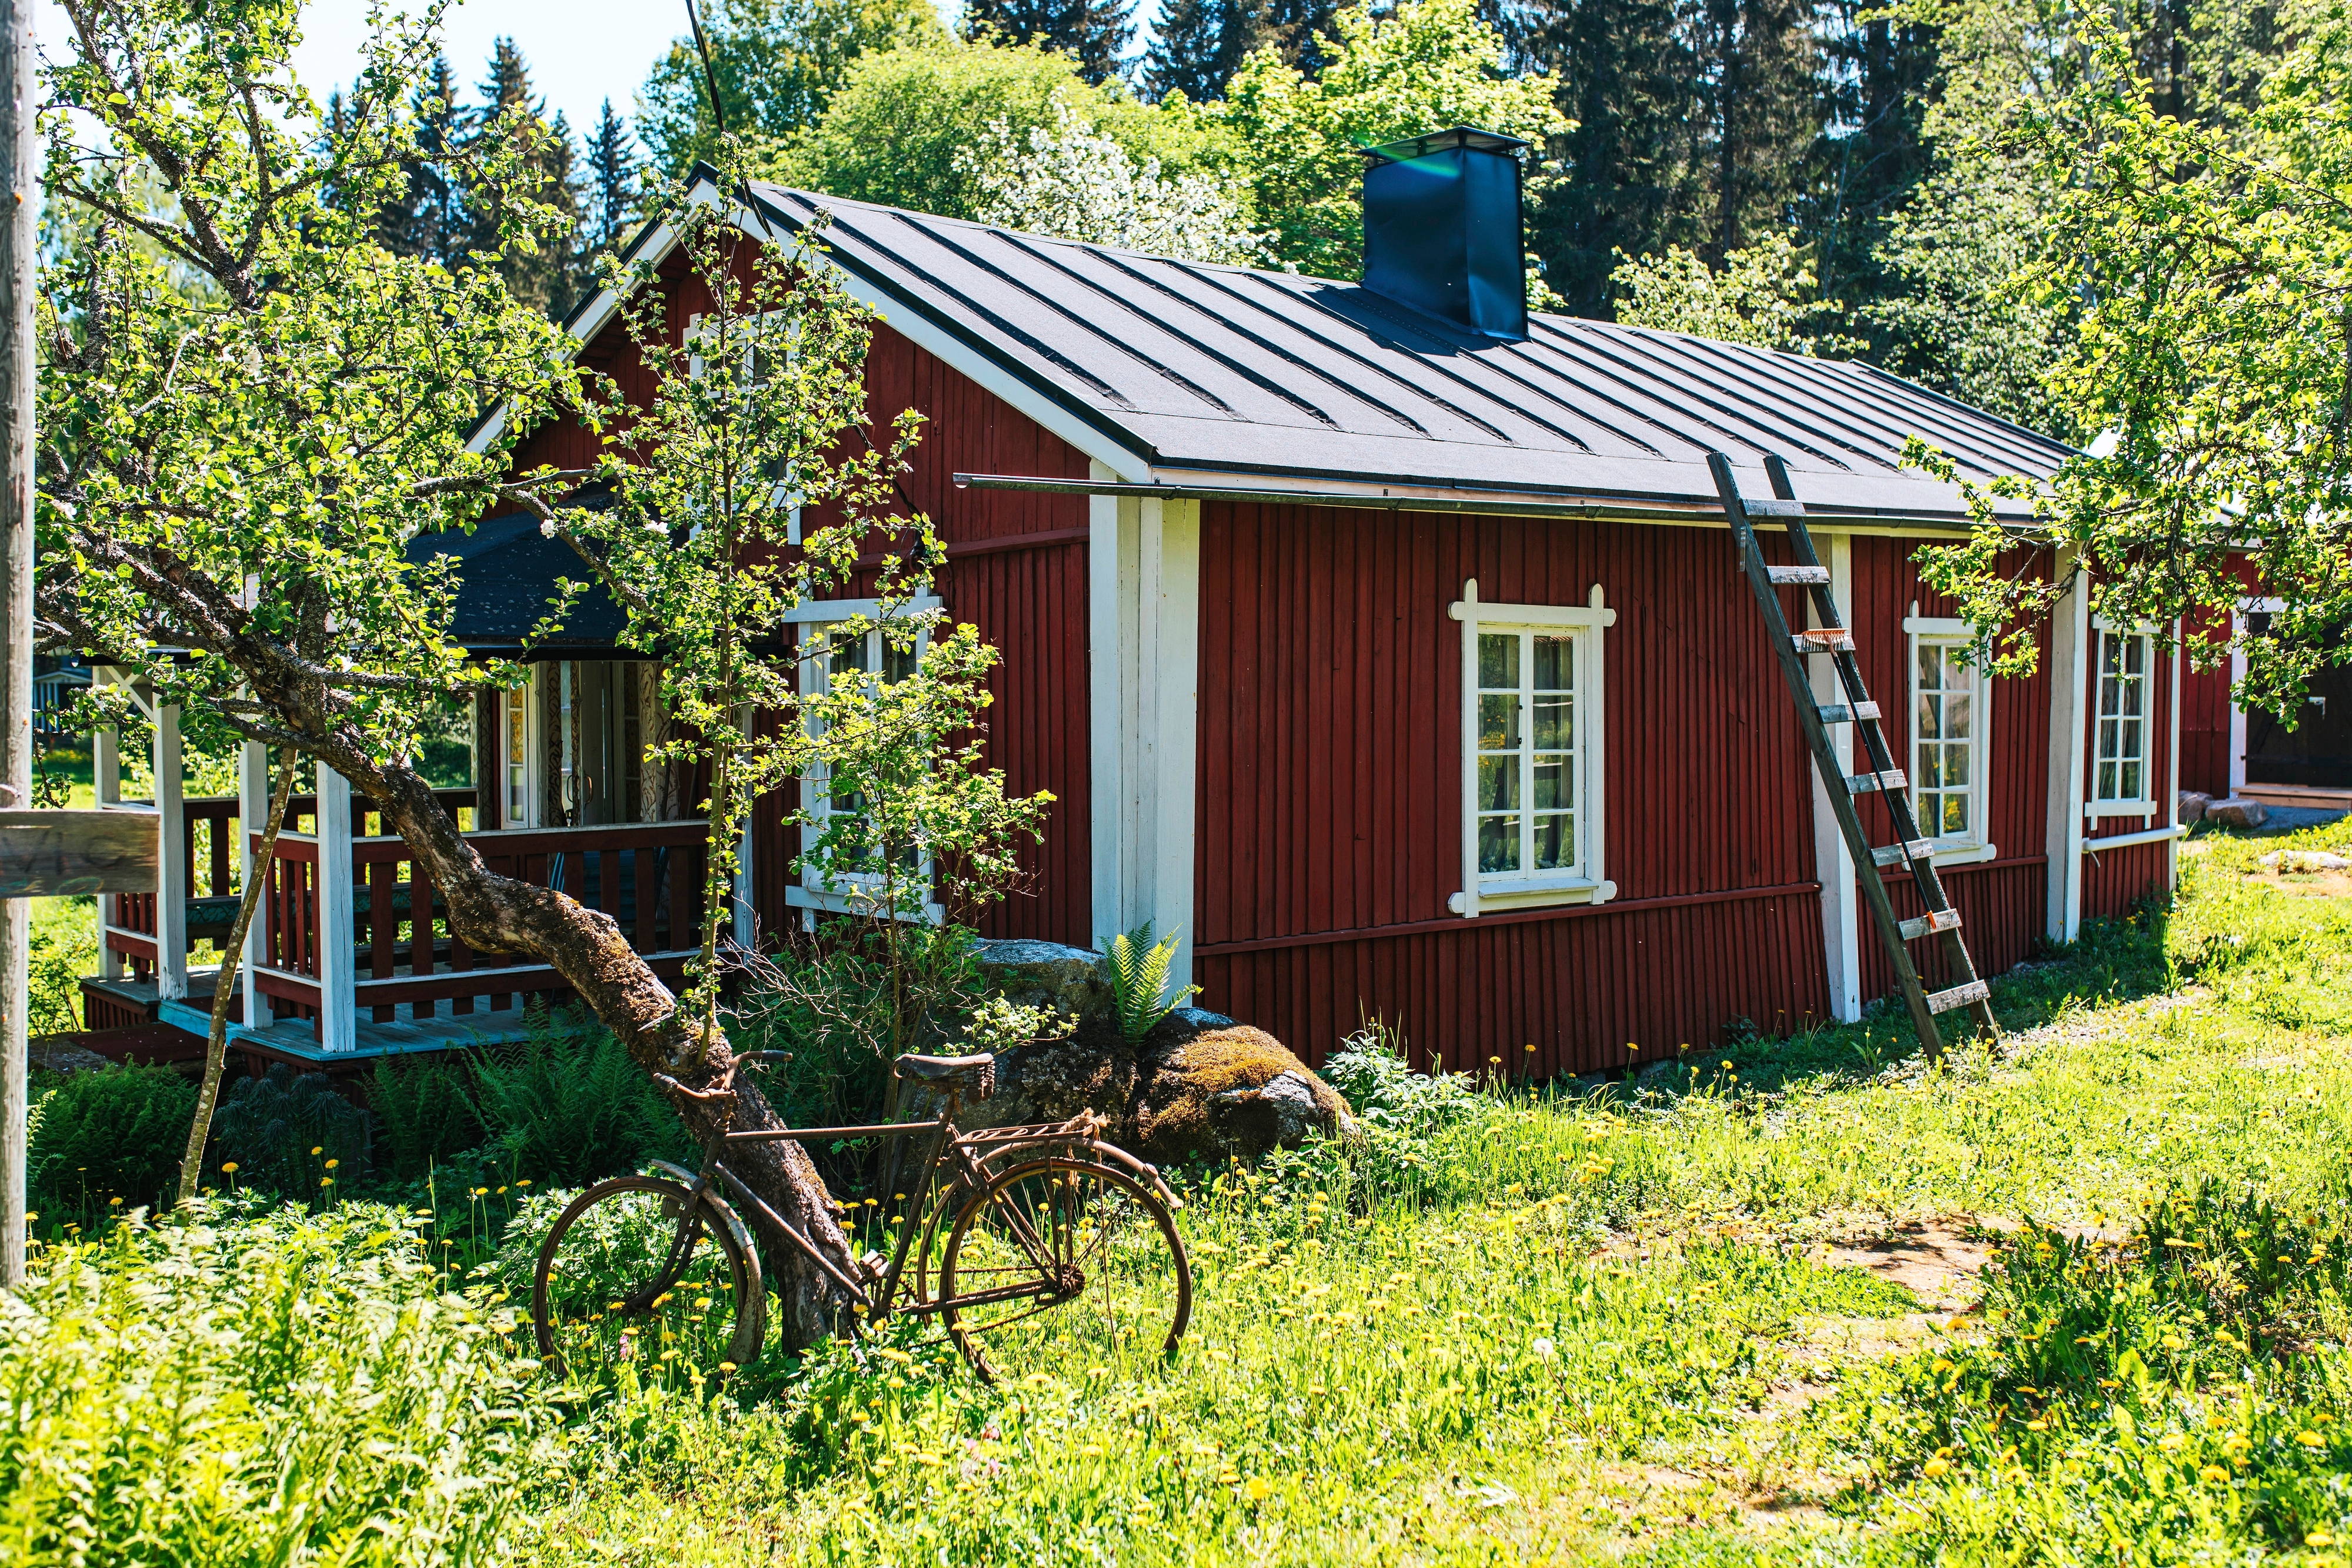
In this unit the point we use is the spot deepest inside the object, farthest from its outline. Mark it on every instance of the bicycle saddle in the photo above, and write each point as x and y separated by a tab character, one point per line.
975	1075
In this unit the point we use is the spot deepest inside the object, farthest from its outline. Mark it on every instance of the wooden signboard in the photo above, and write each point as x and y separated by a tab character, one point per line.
51	854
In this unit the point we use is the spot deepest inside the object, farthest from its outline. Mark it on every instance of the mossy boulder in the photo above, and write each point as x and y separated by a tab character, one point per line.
1200	1083
1232	1091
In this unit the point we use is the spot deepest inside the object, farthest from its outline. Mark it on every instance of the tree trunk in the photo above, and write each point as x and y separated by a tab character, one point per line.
200	1129
498	914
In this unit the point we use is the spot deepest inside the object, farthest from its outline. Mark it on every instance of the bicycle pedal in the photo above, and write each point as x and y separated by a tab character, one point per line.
873	1263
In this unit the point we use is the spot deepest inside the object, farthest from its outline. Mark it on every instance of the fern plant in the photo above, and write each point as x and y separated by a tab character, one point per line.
1137	967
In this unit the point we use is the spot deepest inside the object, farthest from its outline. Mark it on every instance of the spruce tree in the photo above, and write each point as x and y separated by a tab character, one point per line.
1199	45
429	219
613	165
550	278
1765	111
1629	77
1095	33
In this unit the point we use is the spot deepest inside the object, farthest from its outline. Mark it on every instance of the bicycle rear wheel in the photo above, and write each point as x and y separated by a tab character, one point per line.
637	1271
1062	1266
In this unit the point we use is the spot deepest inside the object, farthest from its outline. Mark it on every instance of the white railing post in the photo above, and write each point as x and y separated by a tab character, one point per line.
338	1002
252	818
171	864
105	782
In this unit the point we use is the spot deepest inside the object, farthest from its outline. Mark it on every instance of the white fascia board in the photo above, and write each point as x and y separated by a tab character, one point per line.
1127	467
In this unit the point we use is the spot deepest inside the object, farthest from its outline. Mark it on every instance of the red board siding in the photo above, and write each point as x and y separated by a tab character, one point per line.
1593	989
1329	792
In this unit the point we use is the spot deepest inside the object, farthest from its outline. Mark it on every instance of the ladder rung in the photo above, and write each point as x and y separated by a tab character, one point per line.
1864	783
1903	855
1798	576
1773	507
1828	640
1957	997
1927	924
1839	713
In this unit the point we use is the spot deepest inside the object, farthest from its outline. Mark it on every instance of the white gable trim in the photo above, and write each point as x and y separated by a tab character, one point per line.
908	323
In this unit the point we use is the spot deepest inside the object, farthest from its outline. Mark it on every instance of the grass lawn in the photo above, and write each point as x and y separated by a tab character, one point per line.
2077	1298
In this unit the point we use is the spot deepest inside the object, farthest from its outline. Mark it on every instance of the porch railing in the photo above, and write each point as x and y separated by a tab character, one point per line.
396	960
210	874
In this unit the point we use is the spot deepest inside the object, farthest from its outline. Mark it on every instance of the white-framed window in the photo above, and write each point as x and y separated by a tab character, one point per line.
830	659
2122	673
1951	762
1532	751
518	771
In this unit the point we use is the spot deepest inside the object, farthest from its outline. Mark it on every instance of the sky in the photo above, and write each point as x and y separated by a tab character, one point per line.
581	51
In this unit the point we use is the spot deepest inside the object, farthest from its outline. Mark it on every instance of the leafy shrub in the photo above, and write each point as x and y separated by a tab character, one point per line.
1371	1071
249	1388
570	1106
268	1126
118	1134
422	1116
835	1002
1137	967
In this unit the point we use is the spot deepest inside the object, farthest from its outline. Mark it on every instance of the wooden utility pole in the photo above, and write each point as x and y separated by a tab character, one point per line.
19	156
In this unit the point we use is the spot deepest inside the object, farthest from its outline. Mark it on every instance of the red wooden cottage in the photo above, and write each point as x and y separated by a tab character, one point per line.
1384	640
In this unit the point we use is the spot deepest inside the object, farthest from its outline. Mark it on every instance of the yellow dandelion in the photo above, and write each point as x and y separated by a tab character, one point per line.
2214	1475
1258	1489
1935	1468
228	1168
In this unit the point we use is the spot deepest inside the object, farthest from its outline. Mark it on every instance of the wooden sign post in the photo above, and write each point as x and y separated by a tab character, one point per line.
62	854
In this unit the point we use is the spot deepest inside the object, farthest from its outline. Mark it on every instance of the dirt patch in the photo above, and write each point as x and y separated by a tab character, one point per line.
1937	1260
2306	883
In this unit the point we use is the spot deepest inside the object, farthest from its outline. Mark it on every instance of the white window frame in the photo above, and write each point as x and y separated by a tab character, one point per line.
2144	804
510	705
811	893
1961	849
1587	881
783	495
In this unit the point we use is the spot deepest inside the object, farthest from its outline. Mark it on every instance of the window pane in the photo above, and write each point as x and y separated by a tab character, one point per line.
850	654
2105	788
1498	723
1555	841
2131	780
1955	814
1959	723
1555	663
897	664
1931	723
1555	721
1551	782
2135	693
1499	843
2110	655
2135	655
1498	660
1499	783
1931	667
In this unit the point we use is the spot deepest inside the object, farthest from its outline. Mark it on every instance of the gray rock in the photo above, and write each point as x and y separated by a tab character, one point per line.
1033	974
2235	812
1289	1099
2193	807
2305	861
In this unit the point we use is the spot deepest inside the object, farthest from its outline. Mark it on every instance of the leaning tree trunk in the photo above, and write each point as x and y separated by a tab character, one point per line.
499	914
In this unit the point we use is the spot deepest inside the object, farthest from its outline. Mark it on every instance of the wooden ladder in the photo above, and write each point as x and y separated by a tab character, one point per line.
1879	776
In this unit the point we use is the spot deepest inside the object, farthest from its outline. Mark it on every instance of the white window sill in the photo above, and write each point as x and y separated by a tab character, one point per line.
850	902
1964	854
2099	810
1535	893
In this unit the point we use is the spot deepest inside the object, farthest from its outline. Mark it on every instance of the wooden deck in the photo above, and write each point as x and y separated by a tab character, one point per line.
421	1027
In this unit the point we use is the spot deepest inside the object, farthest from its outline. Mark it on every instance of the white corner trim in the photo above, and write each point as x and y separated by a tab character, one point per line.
799	897
1590	883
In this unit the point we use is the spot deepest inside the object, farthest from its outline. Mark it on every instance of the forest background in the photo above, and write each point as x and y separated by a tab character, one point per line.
1832	177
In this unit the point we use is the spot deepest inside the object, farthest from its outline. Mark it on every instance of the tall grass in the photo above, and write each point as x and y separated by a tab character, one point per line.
238	1388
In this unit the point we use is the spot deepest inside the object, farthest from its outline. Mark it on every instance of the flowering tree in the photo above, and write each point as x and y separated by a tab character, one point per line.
248	409
1071	181
2212	270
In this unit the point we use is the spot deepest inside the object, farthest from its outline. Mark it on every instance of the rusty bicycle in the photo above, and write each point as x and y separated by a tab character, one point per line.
993	1231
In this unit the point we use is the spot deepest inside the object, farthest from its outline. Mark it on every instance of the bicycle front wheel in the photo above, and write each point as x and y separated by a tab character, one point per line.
639	1272
1064	1266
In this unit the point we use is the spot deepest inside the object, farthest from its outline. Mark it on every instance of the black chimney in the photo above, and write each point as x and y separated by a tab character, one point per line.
1442	228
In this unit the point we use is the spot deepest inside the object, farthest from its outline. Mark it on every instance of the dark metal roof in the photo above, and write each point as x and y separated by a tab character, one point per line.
506	573
1226	370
